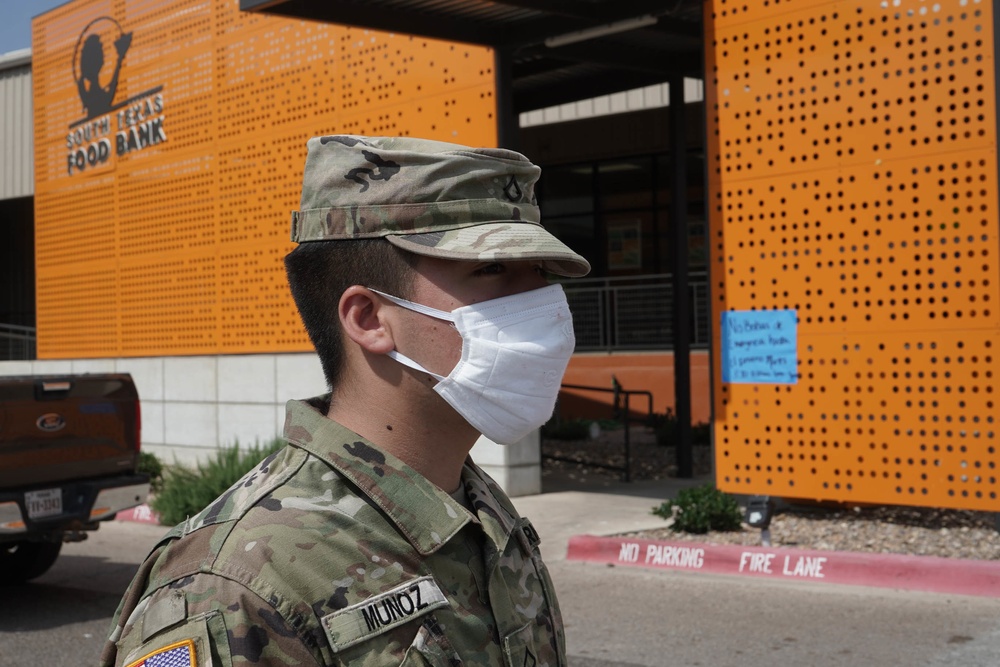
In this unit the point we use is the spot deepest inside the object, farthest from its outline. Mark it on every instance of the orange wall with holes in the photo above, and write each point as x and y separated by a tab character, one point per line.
175	246
853	168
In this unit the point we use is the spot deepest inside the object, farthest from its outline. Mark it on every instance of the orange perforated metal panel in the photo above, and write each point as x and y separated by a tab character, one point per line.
853	175
163	194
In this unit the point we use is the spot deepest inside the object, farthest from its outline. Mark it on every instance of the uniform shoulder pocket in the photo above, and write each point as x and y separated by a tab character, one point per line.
542	640
520	647
431	648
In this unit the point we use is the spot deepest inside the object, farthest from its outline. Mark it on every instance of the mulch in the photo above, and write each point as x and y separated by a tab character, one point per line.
648	460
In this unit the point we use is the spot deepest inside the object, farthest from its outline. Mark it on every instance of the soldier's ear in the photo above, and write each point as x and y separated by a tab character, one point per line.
363	318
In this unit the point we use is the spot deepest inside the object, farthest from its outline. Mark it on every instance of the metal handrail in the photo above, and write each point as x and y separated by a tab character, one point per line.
624	413
17	343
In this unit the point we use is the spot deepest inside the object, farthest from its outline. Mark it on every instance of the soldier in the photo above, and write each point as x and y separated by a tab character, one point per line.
372	538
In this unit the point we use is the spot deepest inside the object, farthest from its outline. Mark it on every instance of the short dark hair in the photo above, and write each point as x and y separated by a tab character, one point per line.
320	271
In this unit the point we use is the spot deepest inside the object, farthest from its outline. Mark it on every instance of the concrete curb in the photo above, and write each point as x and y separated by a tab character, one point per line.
919	573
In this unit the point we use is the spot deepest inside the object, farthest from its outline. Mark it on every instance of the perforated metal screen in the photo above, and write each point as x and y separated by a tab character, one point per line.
853	169
176	246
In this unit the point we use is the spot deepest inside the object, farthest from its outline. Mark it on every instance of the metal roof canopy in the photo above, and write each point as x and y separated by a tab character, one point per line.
549	52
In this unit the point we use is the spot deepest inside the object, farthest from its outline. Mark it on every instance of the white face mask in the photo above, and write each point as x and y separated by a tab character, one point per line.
515	350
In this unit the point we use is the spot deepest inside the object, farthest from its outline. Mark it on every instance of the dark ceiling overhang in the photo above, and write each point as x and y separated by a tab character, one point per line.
558	51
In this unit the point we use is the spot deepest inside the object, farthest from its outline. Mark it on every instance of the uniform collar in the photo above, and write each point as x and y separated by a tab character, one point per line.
427	516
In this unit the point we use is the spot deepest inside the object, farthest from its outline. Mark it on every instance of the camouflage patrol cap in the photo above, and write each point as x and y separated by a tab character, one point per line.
428	197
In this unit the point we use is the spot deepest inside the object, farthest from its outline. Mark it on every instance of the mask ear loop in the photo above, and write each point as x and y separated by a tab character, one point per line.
418	307
406	361
424	310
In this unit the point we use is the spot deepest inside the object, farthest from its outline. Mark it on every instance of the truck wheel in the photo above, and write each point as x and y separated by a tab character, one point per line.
21	561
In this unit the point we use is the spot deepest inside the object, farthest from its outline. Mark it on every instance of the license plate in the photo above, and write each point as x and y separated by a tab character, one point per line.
43	503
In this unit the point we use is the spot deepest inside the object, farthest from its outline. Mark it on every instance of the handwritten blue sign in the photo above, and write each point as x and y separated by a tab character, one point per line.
759	347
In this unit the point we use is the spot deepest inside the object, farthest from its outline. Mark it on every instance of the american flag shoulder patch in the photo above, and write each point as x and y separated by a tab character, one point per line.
180	654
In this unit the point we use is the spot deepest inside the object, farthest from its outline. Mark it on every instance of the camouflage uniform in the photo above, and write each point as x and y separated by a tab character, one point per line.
332	552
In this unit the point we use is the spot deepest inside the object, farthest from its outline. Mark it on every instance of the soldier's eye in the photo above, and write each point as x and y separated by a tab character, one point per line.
491	269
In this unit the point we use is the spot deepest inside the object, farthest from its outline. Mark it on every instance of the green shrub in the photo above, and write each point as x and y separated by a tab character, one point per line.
186	491
701	509
152	466
566	429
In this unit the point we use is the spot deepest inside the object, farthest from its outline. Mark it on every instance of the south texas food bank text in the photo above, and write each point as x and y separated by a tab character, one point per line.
140	125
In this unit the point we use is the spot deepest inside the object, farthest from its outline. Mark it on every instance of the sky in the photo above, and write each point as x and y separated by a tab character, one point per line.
15	21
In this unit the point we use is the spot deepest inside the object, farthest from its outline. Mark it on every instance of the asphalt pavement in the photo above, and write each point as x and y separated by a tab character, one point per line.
615	616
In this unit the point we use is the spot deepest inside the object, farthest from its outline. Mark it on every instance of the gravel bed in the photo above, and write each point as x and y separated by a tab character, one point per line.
871	529
887	530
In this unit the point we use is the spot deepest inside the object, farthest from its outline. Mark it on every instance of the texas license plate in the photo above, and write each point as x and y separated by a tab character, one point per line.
43	503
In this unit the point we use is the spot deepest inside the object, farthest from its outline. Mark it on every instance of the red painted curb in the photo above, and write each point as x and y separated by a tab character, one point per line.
139	514
921	573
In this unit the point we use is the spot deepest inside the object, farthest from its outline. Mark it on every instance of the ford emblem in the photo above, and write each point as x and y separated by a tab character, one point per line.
51	422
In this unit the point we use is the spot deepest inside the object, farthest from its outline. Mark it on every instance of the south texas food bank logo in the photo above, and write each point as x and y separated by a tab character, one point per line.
108	127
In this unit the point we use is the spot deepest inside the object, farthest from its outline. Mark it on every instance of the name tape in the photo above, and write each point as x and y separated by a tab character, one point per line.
382	612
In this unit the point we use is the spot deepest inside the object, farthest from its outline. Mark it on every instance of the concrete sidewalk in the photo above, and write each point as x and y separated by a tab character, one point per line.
596	507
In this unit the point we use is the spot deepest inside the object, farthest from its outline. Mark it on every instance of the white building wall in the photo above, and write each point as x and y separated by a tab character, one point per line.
17	166
193	405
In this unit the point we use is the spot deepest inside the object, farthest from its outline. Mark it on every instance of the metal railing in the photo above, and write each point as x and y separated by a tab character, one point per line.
634	312
623	412
17	343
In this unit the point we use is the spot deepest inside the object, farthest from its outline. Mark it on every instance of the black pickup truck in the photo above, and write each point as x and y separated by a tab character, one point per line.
69	453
